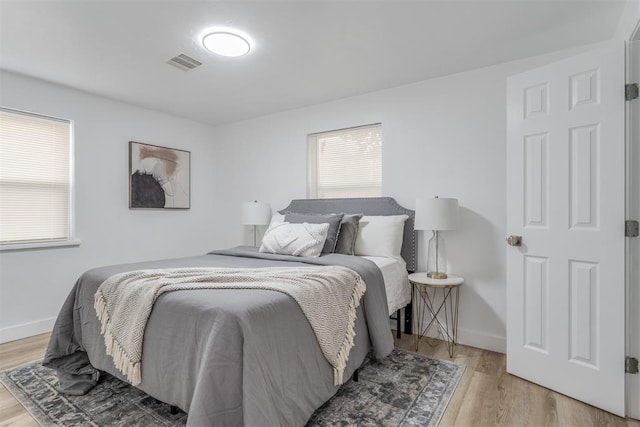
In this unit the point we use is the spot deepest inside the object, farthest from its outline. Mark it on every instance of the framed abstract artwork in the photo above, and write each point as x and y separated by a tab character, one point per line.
159	177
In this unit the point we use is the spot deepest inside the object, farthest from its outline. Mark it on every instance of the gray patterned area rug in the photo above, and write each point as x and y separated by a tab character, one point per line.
405	389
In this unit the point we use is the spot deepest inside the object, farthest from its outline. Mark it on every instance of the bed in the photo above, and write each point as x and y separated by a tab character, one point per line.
394	269
232	356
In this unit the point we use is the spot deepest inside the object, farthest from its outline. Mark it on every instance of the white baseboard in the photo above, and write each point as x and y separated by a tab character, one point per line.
472	338
482	340
468	337
25	330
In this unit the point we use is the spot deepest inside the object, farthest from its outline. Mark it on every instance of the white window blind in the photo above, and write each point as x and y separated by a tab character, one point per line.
35	178
346	163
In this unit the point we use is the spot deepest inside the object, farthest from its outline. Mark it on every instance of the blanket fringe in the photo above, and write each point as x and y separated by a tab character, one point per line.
347	344
130	369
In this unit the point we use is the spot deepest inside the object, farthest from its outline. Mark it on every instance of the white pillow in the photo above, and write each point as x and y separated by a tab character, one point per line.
380	235
276	218
295	239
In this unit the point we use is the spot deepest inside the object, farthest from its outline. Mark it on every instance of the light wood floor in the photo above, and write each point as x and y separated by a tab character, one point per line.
486	394
14	354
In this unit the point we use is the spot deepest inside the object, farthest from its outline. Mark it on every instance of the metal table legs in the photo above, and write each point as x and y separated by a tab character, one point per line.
448	302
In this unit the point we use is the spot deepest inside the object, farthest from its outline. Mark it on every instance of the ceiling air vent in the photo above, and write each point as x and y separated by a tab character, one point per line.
184	62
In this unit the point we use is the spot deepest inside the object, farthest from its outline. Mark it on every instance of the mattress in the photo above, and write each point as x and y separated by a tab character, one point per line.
396	281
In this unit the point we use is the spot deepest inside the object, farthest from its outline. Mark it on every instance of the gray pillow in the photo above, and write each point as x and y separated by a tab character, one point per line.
332	220
347	235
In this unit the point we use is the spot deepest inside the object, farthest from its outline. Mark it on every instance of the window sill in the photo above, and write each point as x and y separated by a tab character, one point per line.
39	245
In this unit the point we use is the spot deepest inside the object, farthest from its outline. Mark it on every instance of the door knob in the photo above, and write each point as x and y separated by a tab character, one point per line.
514	240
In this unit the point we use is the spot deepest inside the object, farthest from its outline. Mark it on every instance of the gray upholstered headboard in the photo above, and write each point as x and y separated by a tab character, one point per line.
367	206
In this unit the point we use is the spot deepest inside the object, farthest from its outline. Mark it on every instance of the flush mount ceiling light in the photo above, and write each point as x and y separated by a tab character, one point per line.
226	44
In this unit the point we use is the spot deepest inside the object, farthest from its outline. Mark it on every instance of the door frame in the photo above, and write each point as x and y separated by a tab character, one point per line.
632	211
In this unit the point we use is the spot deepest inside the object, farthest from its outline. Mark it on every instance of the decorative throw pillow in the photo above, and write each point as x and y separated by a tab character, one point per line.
347	235
380	235
295	239
333	221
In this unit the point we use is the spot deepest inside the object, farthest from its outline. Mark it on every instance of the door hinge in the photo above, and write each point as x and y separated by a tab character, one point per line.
631	91
631	228
631	365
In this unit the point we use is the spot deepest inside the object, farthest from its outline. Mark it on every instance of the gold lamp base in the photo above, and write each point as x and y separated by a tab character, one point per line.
435	275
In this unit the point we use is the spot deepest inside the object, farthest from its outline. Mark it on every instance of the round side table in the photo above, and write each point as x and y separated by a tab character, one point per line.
437	295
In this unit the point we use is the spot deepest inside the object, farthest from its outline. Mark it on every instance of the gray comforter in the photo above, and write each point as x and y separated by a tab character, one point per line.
225	356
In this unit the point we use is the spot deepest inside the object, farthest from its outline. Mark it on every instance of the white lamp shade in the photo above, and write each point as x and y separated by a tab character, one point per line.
436	214
256	213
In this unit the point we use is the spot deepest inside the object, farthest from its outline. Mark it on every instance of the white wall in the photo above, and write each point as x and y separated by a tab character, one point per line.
34	283
441	137
629	21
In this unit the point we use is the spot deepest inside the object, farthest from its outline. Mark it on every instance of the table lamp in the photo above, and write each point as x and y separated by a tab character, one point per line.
256	213
436	214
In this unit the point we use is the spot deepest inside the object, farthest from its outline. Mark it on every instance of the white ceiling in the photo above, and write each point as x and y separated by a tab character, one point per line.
305	52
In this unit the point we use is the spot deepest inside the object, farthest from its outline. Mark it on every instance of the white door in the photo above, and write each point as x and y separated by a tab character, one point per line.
565	197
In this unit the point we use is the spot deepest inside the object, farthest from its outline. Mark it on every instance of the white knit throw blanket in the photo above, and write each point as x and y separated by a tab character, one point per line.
327	295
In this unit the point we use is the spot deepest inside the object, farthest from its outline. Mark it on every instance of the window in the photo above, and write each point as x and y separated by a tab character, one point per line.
35	180
346	163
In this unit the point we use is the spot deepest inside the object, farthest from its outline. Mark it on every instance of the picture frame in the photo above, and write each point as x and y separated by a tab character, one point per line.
159	177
